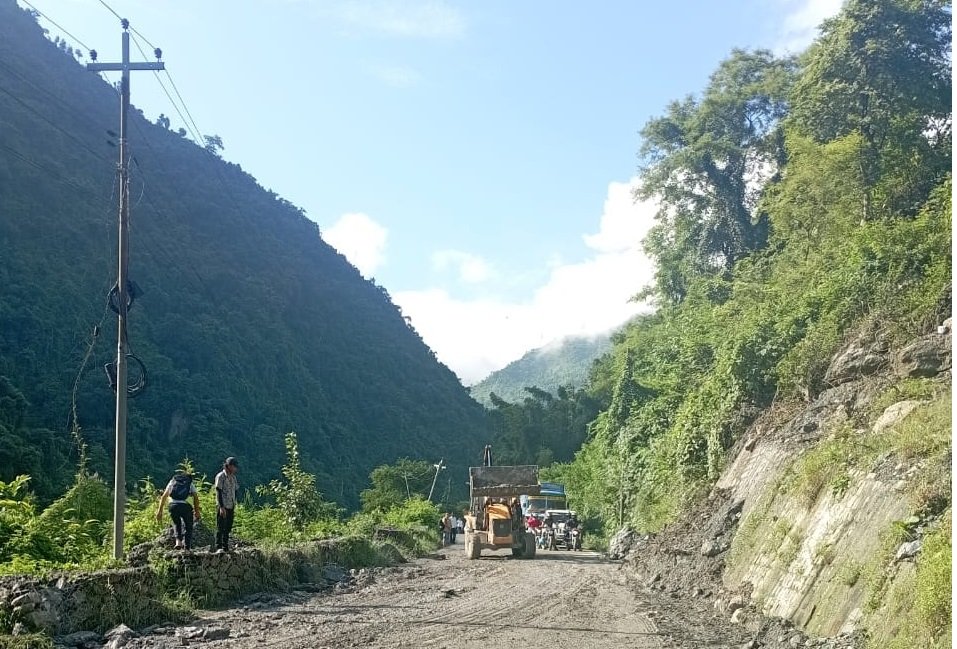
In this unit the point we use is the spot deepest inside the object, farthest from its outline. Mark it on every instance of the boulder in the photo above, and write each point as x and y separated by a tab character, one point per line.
908	550
736	603
862	357
712	548
894	414
334	573
925	357
621	543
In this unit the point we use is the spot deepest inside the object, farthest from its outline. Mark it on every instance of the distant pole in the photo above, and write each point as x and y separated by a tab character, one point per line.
438	467
122	295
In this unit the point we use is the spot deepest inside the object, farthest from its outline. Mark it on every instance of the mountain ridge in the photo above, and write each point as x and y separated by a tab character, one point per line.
249	323
565	362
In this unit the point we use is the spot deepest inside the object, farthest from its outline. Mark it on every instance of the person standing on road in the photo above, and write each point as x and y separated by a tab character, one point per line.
178	491
453	528
446	529
226	488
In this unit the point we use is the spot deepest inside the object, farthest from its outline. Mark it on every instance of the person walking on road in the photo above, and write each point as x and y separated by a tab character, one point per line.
178	491
453	528
226	488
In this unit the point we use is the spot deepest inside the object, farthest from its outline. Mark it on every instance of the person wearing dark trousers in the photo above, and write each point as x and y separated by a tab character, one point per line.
178	491
226	488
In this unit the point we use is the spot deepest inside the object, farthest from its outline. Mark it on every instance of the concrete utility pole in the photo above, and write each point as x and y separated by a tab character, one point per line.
122	292
438	467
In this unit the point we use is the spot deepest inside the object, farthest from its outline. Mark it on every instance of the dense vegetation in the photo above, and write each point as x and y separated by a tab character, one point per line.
249	324
74	531
563	364
802	200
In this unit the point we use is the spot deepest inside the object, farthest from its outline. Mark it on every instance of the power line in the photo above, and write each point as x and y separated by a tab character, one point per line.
132	29
110	9
185	107
194	132
51	122
55	24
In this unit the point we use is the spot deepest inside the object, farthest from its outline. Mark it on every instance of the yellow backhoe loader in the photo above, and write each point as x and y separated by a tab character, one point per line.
495	520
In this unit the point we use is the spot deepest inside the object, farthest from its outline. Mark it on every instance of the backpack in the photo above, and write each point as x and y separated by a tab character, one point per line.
181	487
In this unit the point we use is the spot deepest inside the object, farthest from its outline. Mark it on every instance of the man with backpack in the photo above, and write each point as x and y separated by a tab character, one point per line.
178	491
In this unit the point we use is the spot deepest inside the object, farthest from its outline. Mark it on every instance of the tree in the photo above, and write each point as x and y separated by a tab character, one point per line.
706	162
214	144
296	495
393	484
881	69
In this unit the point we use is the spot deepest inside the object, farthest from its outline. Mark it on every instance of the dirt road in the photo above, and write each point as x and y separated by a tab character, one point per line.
559	599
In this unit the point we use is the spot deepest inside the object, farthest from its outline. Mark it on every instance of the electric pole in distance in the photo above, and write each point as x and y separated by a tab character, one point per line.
122	281
438	467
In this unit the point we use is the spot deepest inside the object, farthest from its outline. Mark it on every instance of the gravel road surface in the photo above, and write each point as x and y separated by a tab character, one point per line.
559	599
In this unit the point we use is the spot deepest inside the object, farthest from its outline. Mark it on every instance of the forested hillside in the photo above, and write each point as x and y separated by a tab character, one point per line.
564	363
803	200
249	324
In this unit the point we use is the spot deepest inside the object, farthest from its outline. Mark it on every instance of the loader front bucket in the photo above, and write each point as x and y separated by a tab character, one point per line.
504	481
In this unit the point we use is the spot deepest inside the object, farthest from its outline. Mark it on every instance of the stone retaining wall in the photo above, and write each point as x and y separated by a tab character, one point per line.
96	601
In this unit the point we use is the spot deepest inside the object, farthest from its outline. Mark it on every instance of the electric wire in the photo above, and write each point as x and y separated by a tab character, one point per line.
110	9
55	24
197	137
56	126
153	245
182	101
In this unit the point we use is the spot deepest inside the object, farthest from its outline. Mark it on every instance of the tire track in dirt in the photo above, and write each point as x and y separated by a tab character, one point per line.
565	598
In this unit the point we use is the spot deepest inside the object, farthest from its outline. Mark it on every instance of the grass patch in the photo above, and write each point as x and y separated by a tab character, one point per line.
826	467
933	598
925	434
903	390
879	571
29	641
788	551
922	602
850	573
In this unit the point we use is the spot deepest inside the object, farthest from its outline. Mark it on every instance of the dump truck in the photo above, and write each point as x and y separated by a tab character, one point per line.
495	520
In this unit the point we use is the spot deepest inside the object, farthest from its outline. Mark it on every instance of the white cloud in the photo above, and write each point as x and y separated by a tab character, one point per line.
397	76
419	19
479	336
801	21
624	223
360	239
471	269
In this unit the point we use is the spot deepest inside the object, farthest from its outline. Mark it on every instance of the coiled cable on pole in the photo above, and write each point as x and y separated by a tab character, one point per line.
139	381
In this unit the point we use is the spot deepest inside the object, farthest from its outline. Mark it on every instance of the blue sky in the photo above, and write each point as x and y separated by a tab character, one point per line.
475	158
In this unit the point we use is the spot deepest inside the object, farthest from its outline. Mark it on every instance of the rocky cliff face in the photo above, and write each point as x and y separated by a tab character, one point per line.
821	516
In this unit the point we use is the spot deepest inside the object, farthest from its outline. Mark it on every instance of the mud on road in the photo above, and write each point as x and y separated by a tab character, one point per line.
559	599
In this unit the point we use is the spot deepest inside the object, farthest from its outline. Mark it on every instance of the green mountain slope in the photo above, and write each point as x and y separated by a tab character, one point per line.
249	324
566	362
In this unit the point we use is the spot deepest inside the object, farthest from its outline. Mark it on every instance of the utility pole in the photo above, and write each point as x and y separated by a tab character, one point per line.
122	288
438	467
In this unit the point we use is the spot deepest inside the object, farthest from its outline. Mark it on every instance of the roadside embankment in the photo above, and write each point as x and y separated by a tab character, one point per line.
171	583
832	516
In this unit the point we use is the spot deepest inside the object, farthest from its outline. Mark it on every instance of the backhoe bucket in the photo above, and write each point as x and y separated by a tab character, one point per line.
504	481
